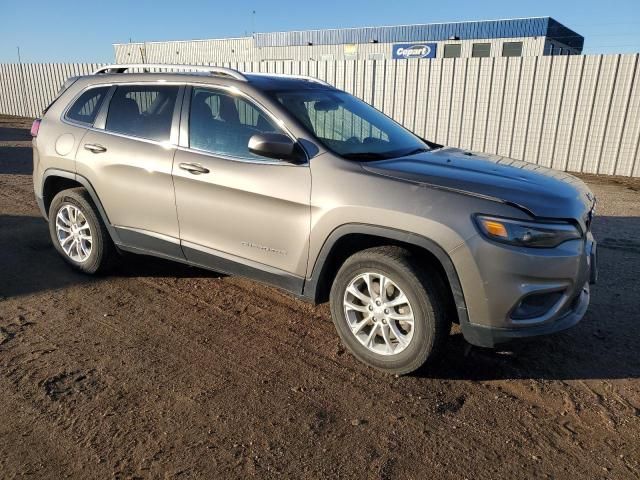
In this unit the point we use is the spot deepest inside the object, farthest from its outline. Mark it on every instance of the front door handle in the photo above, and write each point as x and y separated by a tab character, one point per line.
193	168
94	148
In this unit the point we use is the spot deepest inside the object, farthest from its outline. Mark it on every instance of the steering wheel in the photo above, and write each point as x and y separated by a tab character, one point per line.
353	141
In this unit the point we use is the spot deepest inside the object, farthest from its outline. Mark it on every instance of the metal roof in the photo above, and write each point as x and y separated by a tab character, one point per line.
517	27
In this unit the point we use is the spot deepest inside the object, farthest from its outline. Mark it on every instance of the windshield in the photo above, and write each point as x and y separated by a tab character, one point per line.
348	126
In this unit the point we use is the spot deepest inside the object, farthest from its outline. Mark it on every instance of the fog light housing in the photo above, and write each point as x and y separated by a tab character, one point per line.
535	305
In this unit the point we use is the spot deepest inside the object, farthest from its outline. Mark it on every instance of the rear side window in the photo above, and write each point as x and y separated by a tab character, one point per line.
86	107
142	111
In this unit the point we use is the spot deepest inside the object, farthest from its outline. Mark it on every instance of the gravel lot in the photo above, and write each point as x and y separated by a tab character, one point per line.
164	371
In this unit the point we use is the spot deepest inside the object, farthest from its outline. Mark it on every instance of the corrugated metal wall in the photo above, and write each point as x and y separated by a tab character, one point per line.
186	52
531	47
574	113
28	88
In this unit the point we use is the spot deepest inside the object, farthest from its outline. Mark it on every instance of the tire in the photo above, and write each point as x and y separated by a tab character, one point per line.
426	302
94	256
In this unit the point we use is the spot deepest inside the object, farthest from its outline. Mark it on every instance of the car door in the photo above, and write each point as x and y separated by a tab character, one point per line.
128	158
239	211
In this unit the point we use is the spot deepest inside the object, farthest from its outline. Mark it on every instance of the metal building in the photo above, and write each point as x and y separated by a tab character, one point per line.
520	37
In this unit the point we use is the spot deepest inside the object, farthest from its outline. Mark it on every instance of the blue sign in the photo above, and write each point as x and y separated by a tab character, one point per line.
414	50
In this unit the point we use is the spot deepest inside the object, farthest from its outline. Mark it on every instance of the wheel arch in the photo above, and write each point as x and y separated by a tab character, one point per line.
348	239
55	180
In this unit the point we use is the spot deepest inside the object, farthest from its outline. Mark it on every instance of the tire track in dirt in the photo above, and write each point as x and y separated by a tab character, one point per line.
135	330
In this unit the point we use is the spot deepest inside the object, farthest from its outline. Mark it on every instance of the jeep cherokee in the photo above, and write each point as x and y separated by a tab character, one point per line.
297	184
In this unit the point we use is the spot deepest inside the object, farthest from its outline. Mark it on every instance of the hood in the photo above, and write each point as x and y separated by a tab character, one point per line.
541	191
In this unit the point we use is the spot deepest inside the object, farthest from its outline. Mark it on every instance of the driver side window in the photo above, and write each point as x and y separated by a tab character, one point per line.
223	123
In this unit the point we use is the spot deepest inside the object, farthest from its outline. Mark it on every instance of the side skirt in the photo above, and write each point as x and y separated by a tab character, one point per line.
197	256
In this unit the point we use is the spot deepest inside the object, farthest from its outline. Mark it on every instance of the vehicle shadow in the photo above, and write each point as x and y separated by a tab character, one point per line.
16	160
132	265
604	345
11	134
29	264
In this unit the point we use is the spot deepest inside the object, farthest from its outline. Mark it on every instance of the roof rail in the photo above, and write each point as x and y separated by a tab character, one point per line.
230	72
122	68
287	75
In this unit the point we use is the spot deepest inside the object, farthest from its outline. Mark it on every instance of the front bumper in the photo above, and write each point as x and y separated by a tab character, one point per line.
490	337
495	279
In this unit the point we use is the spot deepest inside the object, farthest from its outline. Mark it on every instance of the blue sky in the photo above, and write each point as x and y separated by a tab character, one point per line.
84	30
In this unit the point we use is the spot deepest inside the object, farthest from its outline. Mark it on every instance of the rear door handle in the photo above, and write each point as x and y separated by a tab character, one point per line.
193	168
95	148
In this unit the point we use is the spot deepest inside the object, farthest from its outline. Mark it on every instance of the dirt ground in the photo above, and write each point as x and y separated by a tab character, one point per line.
164	371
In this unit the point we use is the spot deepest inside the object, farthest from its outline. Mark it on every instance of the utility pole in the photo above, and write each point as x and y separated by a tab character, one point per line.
253	22
22	86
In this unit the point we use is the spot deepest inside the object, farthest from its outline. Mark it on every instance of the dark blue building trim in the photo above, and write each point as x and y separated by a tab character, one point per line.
521	27
557	31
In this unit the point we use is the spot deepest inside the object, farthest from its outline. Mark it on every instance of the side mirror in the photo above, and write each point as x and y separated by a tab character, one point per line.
274	145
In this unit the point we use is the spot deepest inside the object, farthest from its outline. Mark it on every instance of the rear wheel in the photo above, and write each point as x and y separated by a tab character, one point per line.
78	232
388	311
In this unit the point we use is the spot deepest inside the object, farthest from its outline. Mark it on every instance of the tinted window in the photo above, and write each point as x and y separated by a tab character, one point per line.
142	111
481	50
452	51
512	49
223	123
86	107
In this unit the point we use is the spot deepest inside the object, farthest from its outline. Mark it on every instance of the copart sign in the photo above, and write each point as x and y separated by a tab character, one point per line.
414	50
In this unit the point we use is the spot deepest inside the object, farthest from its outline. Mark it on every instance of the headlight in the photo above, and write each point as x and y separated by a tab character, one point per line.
526	234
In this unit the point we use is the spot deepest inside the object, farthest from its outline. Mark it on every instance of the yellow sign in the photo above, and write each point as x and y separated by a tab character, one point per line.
350	48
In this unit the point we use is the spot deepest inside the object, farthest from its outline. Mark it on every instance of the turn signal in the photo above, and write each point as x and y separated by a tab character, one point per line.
494	228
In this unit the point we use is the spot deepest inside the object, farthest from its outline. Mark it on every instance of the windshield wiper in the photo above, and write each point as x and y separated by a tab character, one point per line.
415	151
382	156
365	156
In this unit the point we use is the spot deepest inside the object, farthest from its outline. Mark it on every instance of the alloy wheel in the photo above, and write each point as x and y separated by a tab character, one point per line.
379	313
73	233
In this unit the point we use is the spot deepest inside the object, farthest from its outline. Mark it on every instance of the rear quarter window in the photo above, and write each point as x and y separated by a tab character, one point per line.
85	108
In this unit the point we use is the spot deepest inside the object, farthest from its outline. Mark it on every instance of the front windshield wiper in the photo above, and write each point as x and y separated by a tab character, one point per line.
415	151
432	145
383	156
365	156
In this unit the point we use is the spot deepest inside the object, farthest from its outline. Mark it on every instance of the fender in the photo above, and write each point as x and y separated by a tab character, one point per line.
311	285
55	172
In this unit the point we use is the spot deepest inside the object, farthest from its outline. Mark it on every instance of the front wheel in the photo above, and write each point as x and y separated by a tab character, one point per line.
388	311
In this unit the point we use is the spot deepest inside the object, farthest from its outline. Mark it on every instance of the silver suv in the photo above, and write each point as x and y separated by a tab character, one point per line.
294	183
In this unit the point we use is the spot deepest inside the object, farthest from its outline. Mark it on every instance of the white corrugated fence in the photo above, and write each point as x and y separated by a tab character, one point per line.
573	113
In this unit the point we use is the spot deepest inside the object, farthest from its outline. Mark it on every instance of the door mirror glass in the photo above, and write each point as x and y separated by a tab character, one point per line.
273	145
